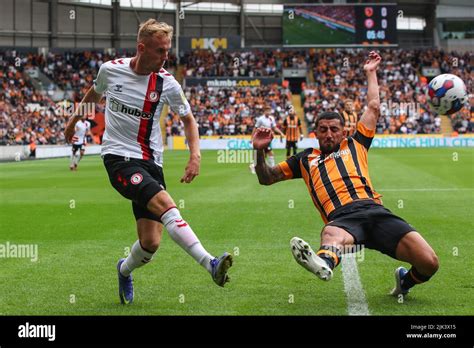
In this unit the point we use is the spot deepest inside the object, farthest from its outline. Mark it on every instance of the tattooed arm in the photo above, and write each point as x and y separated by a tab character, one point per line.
266	175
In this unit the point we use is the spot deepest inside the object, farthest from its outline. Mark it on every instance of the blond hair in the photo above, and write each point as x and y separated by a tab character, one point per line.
151	27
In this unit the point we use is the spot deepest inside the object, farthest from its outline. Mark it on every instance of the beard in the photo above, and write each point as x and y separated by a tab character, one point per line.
326	149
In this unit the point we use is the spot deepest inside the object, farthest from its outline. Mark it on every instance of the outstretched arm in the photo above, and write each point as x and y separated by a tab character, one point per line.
266	175
276	129
90	99
371	114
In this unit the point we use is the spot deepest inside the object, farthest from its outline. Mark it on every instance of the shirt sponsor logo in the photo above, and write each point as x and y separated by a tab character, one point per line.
116	106
336	154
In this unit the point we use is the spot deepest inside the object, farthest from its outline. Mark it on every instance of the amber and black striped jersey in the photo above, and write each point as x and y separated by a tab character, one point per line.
350	121
336	179
292	128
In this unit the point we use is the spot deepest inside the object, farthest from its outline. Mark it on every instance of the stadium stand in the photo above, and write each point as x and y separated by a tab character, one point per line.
231	111
29	114
205	63
404	107
463	121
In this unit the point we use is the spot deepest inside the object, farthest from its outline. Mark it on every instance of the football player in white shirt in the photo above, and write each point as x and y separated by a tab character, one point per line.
82	130
137	88
265	121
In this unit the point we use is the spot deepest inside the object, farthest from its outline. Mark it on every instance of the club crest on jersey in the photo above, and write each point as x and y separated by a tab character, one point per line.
136	179
153	96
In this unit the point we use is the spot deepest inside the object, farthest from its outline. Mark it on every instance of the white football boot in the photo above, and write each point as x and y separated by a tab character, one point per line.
400	272
307	258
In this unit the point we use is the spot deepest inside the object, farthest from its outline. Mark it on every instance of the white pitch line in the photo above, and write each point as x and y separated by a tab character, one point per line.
356	302
425	189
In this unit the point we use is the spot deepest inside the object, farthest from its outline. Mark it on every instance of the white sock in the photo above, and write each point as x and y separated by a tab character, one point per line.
137	258
183	235
271	161
72	159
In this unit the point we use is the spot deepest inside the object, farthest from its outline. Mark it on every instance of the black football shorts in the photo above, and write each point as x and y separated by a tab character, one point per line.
137	180
77	147
372	225
291	144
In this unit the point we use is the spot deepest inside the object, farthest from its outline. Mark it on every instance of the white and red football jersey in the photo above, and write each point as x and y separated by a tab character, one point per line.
266	122
133	109
81	129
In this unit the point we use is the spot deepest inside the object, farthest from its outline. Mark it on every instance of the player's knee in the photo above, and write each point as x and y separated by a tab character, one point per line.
431	263
327	234
150	244
428	264
331	236
160	202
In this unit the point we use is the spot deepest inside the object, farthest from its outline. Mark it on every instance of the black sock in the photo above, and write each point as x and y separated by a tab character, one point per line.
330	254
412	278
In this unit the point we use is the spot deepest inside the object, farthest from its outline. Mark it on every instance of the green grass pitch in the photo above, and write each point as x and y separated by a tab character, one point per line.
229	210
302	31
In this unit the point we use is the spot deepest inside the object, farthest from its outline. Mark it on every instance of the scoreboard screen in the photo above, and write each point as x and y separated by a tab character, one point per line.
340	25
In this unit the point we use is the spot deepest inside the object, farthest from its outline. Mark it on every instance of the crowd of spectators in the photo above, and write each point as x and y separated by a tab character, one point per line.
463	121
28	113
338	75
253	63
227	111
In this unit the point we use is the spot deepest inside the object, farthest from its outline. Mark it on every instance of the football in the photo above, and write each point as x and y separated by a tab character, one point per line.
446	94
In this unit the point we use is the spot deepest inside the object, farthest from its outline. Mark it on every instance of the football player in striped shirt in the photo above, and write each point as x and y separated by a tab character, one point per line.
337	178
350	117
292	129
137	89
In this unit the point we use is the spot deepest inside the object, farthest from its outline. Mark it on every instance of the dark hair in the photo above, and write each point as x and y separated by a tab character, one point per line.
329	115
